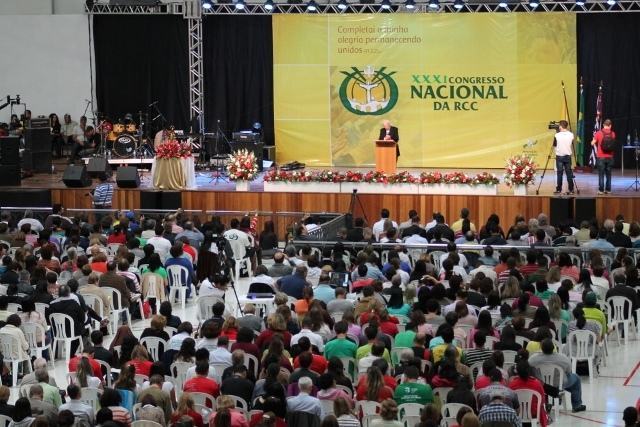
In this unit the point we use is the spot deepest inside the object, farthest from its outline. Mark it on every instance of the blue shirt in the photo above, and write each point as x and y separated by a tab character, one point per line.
324	292
185	263
304	403
292	285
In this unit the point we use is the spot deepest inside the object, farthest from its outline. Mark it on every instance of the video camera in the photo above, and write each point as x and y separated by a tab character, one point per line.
555	125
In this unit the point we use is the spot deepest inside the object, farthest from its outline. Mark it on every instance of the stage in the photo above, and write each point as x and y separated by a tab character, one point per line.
220	195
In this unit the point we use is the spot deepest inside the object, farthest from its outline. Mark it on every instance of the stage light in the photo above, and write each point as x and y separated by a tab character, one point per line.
312	6
502	3
534	3
611	2
580	2
386	4
342	5
410	4
458	4
206	4
268	5
240	5
434	4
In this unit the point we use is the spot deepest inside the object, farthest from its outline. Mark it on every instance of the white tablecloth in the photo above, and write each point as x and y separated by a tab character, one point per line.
189	167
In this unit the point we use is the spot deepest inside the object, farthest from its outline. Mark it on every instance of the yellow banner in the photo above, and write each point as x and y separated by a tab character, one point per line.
464	90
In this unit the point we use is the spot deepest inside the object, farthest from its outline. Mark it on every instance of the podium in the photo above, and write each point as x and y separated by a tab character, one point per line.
386	156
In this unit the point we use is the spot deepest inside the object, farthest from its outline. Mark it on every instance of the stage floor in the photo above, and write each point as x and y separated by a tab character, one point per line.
587	183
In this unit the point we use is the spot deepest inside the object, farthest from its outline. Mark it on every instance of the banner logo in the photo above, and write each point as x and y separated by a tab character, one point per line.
368	92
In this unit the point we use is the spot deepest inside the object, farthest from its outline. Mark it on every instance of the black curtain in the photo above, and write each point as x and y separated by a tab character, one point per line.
608	46
238	69
140	60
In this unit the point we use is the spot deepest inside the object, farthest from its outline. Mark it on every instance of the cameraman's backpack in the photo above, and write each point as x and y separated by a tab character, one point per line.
608	142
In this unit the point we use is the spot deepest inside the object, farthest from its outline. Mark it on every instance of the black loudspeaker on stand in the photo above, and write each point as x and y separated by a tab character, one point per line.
98	166
76	176
127	177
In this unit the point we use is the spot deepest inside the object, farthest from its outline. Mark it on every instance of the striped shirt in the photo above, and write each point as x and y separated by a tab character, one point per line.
348	421
121	415
103	194
499	412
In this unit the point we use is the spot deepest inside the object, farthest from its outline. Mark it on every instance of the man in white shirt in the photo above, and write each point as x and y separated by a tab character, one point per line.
315	339
29	219
563	143
161	245
221	354
238	240
378	227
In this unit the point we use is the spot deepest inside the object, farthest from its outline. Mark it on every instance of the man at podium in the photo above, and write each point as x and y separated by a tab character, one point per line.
390	133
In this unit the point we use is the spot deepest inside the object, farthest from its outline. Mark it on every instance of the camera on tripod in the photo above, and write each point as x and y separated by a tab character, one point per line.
555	125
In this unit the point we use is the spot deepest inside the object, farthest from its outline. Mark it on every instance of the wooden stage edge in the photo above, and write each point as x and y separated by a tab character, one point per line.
506	206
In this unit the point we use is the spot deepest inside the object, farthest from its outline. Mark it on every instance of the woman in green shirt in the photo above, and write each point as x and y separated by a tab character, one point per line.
558	312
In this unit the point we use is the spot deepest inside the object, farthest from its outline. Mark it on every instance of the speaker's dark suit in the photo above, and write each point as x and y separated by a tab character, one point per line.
393	133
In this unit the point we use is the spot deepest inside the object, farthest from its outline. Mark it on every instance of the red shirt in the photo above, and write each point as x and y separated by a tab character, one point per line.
100	267
232	333
389	327
384	393
483	381
143	367
318	364
196	417
389	381
202	385
189	249
256	419
95	366
534	384
528	269
599	136
361	283
265	337
120	238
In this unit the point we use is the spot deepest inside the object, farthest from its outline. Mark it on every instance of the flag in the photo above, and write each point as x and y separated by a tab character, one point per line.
597	125
580	128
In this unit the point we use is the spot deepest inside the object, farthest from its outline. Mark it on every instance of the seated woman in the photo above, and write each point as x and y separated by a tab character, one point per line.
373	387
507	340
526	381
186	408
329	391
141	360
84	375
156	328
485	324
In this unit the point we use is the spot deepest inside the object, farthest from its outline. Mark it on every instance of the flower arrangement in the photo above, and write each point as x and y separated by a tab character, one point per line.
173	149
520	170
431	178
485	178
457	178
242	165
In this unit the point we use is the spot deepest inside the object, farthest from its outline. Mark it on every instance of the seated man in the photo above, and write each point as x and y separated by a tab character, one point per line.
41	408
377	352
411	391
497	411
67	304
202	383
75	405
177	258
571	381
304	402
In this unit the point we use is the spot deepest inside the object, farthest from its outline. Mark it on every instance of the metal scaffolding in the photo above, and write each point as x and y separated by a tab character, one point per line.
193	15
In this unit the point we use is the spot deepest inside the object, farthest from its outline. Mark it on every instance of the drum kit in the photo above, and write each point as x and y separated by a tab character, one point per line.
124	139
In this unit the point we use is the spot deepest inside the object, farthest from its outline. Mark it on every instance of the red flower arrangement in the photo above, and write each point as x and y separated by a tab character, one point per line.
173	150
520	170
242	165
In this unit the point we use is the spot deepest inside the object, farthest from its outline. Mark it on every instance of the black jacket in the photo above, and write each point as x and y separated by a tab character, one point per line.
393	133
70	307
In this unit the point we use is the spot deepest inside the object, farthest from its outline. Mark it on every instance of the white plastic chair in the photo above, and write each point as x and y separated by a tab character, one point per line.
327	407
178	283
170	330
476	369
14	307
90	396
106	371
554	375
395	354
35	332
203	399
370	411
10	346
95	303
252	364
218	369
241	404
449	412
522	341
112	249
59	322
140	379
409	413
525	397
145	423
621	313
5	420
442	392
582	346
116	308
153	346
41	308
490	342
205	306
179	373
350	367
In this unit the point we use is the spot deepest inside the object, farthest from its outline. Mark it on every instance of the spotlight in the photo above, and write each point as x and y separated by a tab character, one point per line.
312	6
342	5
611	2
206	4
410	4
502	3
434	4
386	4
268	5
458	4
534	3
580	2
240	5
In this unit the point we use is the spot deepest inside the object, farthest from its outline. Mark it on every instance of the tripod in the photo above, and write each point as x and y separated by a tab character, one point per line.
544	172
635	183
219	162
352	204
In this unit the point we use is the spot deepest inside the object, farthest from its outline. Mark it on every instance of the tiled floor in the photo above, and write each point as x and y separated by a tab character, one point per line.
617	387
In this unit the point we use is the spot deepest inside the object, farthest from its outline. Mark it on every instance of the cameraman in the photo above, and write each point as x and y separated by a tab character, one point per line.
563	142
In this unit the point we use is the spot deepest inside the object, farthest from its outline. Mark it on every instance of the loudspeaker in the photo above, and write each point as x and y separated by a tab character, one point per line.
585	209
37	139
9	150
10	175
127	177
38	162
98	166
561	210
160	199
25	197
76	176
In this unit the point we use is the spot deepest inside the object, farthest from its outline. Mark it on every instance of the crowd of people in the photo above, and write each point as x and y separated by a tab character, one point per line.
348	326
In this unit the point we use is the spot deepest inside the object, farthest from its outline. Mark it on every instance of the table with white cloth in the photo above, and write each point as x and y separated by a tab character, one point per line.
264	306
174	174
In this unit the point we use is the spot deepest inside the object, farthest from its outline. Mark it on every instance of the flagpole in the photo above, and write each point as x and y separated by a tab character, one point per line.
580	129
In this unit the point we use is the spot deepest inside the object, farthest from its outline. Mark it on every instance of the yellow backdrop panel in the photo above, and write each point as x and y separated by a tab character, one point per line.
465	91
